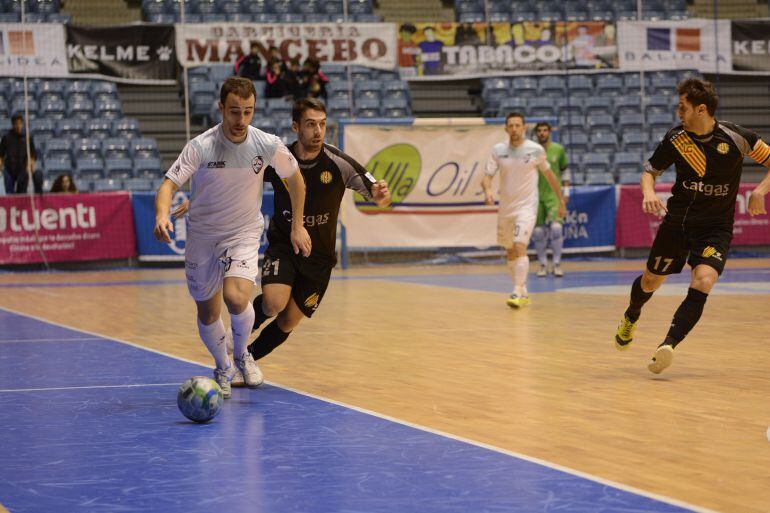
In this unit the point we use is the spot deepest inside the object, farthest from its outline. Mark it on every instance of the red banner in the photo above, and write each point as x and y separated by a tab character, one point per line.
635	229
70	227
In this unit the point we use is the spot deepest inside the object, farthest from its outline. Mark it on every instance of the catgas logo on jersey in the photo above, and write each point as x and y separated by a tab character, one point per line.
257	163
707	189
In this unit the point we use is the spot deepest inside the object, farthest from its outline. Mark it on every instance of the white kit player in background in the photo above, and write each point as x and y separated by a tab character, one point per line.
518	159
226	166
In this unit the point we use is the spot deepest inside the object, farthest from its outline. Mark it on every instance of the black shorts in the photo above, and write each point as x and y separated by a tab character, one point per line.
674	245
308	280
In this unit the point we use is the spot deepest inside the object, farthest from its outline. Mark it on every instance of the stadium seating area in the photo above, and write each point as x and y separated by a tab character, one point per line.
258	11
35	11
602	119
472	11
79	128
376	93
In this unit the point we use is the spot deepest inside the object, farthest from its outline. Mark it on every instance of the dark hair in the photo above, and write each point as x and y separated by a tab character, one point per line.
545	124
300	106
407	27
58	187
18	116
515	114
241	87
699	92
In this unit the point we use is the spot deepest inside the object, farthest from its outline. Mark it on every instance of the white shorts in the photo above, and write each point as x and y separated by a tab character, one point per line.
208	262
516	228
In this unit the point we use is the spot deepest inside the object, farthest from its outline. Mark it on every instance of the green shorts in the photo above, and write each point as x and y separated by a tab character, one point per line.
548	209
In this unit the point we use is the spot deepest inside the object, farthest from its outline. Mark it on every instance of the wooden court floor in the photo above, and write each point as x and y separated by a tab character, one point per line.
545	381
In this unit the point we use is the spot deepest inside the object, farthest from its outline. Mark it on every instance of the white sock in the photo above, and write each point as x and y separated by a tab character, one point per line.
540	238
242	324
557	241
511	264
215	337
521	268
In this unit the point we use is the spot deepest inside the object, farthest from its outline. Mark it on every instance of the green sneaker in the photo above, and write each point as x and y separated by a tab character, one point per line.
625	334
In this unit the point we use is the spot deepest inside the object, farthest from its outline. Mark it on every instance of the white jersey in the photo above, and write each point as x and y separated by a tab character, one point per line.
518	174
227	181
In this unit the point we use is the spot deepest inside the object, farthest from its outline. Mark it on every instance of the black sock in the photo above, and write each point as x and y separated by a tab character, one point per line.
638	298
259	315
686	316
270	338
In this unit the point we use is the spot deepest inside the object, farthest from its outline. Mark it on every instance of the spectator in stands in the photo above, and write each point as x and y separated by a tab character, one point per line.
294	79
13	153
314	78
466	35
250	65
274	54
64	183
277	85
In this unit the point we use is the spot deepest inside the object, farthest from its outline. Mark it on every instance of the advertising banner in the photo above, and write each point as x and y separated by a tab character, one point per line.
35	50
71	227
635	229
363	44
150	250
664	45
135	53
431	51
751	46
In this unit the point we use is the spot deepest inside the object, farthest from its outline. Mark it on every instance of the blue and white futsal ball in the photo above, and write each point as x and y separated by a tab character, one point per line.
199	399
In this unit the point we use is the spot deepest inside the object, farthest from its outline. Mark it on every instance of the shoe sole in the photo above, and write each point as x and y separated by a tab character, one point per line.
622	345
516	306
662	360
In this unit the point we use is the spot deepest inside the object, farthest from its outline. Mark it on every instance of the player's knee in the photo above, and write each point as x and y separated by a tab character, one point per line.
236	301
519	250
272	306
651	282
556	231
538	234
704	279
288	322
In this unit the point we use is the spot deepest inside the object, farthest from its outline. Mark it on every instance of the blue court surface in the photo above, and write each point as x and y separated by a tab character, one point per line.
91	424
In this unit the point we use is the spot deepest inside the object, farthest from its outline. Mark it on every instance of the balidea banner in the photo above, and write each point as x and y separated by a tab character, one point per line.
364	44
662	45
34	50
135	53
431	51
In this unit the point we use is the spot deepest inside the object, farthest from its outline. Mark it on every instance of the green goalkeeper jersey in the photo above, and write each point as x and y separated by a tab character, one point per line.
557	159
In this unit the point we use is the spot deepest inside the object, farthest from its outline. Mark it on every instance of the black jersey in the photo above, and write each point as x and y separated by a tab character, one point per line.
708	172
326	178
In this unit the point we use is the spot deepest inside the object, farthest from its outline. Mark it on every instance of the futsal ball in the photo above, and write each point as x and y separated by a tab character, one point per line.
199	399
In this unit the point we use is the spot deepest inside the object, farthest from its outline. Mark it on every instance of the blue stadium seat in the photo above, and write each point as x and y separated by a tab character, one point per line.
78	87
634	141
395	108
609	85
109	110
595	163
572	122
144	147
148	167
138	184
395	89
367	89
524	87
605	178
102	87
107	185
115	148
278	107
69	128
553	86
82	109
42	128
604	142
97	129
626	161
601	122
58	17
576	141
580	85
118	168
625	105
631	121
659	104
87	148
57	149
594	105
366	108
55	166
267	125
89	168
126	127
629	177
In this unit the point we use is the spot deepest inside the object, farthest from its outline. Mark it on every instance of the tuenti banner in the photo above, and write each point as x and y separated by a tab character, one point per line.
128	53
635	229
70	227
431	51
751	46
363	44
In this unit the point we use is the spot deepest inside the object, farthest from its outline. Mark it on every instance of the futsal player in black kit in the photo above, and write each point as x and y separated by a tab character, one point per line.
293	285
698	224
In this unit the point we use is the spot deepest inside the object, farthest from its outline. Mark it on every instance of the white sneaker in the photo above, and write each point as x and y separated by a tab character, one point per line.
557	271
223	378
541	273
237	380
662	359
252	376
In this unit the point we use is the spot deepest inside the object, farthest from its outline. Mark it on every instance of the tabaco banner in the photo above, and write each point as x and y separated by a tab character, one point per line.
364	44
71	227
635	229
129	53
751	46
431	51
35	50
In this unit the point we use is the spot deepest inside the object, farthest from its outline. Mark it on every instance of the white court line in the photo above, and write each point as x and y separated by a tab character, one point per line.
545	463
136	385
18	341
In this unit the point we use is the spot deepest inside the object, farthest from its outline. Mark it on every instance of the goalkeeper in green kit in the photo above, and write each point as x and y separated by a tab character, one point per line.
549	226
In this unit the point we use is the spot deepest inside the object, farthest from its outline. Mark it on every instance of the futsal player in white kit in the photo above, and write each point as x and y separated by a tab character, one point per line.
226	165
518	159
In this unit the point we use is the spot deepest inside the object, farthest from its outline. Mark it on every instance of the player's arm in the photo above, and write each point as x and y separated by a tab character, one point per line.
760	154
357	178
566	176
185	166
661	159
286	167
489	173
550	177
